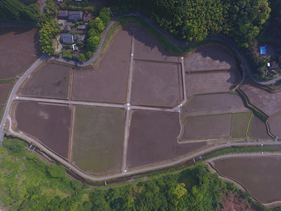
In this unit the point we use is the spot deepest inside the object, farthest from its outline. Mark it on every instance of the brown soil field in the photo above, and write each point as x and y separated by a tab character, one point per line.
153	138
210	57
4	92
214	104
148	48
109	82
275	125
258	129
156	84
52	80
269	103
50	124
212	82
203	127
98	139
260	175
17	49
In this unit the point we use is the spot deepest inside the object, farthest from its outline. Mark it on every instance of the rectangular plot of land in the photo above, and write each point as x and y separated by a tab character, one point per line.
156	84
109	82
258	129
148	48
203	127
98	139
214	104
240	122
52	80
269	103
50	124
153	138
210	82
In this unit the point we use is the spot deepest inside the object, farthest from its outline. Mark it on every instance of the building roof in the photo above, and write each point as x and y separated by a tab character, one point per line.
75	16
67	38
262	50
67	27
274	65
79	37
62	14
81	27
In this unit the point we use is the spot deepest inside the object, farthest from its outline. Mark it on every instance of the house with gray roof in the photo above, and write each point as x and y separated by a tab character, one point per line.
67	39
74	16
62	14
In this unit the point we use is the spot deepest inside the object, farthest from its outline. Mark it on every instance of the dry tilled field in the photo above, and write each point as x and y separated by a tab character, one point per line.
112	124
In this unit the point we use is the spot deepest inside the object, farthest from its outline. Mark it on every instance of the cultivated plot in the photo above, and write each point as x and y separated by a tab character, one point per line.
203	127
98	139
269	103
240	122
148	48
260	175
156	84
18	50
258	129
109	82
214	104
210	57
4	92
275	124
50	124
213	82
153	138
52	81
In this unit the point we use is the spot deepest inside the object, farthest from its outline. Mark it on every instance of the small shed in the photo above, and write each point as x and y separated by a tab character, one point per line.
75	47
79	37
262	50
67	28
274	65
81	27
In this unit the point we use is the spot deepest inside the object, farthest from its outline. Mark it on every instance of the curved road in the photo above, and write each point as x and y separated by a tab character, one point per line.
89	62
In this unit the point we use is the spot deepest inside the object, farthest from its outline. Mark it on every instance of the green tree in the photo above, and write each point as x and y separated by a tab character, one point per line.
105	15
92	43
81	57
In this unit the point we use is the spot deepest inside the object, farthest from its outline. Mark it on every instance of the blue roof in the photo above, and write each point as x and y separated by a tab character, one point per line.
262	50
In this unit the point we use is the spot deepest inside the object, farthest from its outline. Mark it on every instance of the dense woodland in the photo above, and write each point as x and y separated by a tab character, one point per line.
29	183
193	20
15	10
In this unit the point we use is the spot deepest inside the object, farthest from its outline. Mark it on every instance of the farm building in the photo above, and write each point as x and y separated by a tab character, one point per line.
75	16
62	14
79	37
67	39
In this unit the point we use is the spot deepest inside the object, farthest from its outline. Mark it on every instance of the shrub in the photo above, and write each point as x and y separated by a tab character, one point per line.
89	55
81	57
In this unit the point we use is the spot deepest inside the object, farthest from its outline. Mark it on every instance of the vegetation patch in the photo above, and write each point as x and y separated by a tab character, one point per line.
98	139
240	122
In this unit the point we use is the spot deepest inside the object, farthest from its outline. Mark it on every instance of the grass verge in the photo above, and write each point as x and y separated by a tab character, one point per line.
237	150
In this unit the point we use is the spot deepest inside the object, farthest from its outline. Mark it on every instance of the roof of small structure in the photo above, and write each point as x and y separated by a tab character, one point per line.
262	50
